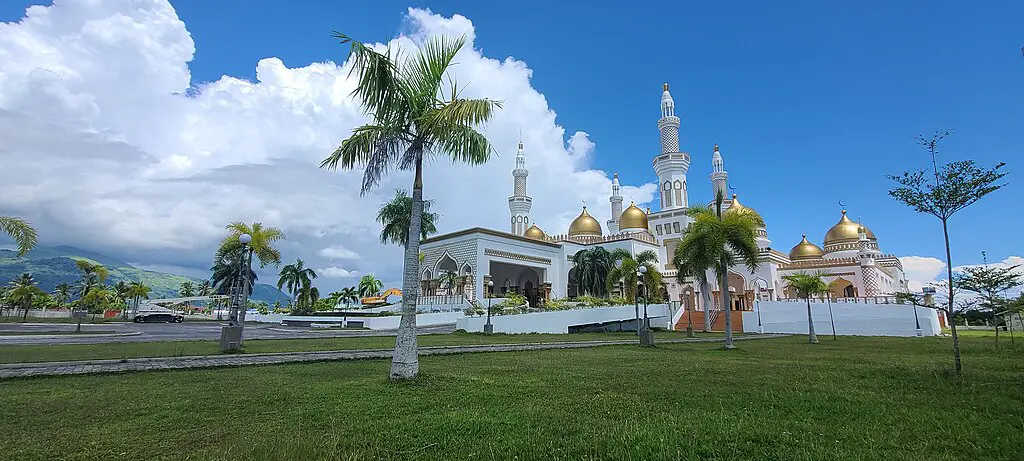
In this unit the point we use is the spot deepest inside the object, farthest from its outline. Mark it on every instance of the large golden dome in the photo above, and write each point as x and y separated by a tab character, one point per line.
805	250
584	224
534	232
736	206
845	231
633	218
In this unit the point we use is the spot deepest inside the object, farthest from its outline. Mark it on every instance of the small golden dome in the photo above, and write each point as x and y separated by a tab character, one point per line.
845	231
805	250
585	224
633	218
665	86
716	147
534	232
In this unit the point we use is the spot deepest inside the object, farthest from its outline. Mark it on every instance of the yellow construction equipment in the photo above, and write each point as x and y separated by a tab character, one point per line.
381	299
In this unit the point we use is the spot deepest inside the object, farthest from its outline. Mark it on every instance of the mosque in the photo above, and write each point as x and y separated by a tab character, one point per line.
528	261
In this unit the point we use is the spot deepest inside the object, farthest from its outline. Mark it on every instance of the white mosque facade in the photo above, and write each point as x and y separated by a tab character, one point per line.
528	261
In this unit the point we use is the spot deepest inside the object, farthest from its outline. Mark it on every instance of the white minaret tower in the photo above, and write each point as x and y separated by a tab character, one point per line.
719	177
867	263
616	201
519	203
671	165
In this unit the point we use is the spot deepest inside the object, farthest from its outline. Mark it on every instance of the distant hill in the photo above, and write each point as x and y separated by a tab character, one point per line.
52	266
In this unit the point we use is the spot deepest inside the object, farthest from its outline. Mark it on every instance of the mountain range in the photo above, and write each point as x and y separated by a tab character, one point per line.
55	265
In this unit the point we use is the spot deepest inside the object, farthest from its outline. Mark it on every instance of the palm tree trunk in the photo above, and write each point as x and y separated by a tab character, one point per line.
28	306
725	304
705	293
405	363
949	282
811	337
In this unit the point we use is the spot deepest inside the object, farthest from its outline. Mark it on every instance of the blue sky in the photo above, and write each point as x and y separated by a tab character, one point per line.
811	104
827	97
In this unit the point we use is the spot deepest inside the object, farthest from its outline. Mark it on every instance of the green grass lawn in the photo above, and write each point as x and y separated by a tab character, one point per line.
85	321
125	350
856	398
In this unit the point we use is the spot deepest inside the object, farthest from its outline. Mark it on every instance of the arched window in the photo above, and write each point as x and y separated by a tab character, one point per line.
668	194
679	192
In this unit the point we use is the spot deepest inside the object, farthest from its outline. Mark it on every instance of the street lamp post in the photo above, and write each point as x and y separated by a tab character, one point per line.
757	303
488	327
231	334
646	336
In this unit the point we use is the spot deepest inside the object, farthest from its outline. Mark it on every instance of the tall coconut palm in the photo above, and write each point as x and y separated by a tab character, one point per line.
349	295
21	232
138	291
591	269
370	286
720	240
22	290
626	270
806	286
261	246
93	275
295	277
226	266
414	117
308	296
62	294
394	216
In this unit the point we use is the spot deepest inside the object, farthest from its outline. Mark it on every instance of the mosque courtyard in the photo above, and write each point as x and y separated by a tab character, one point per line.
854	398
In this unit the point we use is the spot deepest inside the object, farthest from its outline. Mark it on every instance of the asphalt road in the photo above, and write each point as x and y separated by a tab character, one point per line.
14	333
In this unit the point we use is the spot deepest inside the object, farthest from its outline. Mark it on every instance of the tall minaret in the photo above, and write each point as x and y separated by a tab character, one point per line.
867	263
671	165
616	201
519	203
719	176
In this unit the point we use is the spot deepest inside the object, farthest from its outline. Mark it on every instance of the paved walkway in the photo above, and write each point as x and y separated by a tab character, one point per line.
14	370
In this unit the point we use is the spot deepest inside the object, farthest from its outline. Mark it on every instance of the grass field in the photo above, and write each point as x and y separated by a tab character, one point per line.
856	398
125	350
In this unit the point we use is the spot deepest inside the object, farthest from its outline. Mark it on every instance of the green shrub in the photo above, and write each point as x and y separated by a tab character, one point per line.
511	300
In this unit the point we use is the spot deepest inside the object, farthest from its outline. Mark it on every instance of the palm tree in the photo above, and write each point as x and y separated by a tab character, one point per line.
294	277
93	275
394	216
187	289
413	119
138	291
806	286
23	289
122	295
95	300
349	295
697	270
626	271
261	245
62	294
226	266
720	240
591	268
370	286
21	232
308	296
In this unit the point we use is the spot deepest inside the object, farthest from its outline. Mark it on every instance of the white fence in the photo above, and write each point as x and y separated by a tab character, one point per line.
861	319
560	321
373	323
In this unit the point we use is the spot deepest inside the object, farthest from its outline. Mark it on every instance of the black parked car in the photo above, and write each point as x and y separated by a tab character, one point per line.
156	316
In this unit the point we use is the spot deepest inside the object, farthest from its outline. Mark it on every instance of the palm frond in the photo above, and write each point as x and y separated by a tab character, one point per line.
463	144
376	74
426	71
21	232
459	112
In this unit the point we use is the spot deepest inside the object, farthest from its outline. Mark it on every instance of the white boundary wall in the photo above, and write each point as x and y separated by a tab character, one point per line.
373	323
560	321
859	319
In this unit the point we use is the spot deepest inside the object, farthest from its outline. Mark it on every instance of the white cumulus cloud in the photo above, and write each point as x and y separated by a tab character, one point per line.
335	272
338	252
109	144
